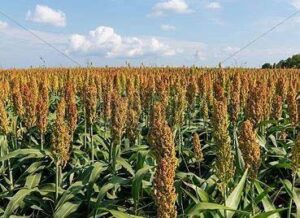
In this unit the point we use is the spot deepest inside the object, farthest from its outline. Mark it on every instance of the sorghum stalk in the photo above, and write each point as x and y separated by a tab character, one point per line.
60	141
191	94
235	102
250	148
71	107
198	151
225	160
295	167
119	111
277	107
4	129
162	141
91	111
255	109
17	98
42	111
251	154
30	98
292	104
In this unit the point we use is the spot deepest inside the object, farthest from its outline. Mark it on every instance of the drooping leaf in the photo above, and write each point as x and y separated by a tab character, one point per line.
120	214
16	201
268	205
35	153
234	198
295	195
137	182
66	210
204	206
267	214
33	180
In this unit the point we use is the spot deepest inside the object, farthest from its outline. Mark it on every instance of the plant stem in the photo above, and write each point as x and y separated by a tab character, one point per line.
85	129
10	173
252	197
56	180
11	180
92	143
291	200
199	167
225	199
42	141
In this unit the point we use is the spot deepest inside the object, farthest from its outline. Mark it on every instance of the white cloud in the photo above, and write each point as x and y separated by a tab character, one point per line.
230	49
106	42
176	6
295	3
3	25
166	27
213	5
199	55
47	15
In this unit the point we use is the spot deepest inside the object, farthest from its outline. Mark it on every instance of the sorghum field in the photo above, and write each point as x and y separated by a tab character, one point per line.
149	142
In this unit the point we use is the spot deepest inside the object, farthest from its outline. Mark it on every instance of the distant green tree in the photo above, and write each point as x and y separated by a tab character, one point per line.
291	62
267	66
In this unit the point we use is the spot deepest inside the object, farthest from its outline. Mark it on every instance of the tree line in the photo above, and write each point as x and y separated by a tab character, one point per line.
291	62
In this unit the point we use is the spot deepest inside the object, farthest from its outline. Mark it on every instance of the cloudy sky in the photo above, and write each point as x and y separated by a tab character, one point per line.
152	32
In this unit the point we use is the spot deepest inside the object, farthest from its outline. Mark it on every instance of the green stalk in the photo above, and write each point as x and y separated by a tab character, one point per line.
252	196
56	180
1	155
291	200
225	199
115	153
206	131
236	148
92	143
11	180
180	149
16	133
85	129
42	141
10	173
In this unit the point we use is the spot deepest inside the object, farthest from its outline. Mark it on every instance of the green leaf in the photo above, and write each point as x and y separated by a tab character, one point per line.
33	180
200	192
196	201
49	188
267	214
104	189
97	169
119	214
36	153
16	201
137	182
70	194
268	206
234	198
203	206
295	195
65	210
125	164
14	216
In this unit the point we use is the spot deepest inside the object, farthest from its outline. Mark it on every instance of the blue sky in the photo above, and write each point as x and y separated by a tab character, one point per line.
152	32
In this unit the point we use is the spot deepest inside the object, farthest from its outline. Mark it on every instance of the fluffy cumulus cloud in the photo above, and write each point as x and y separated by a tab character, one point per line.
176	6
295	3
166	27
104	41
213	5
3	25
47	15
